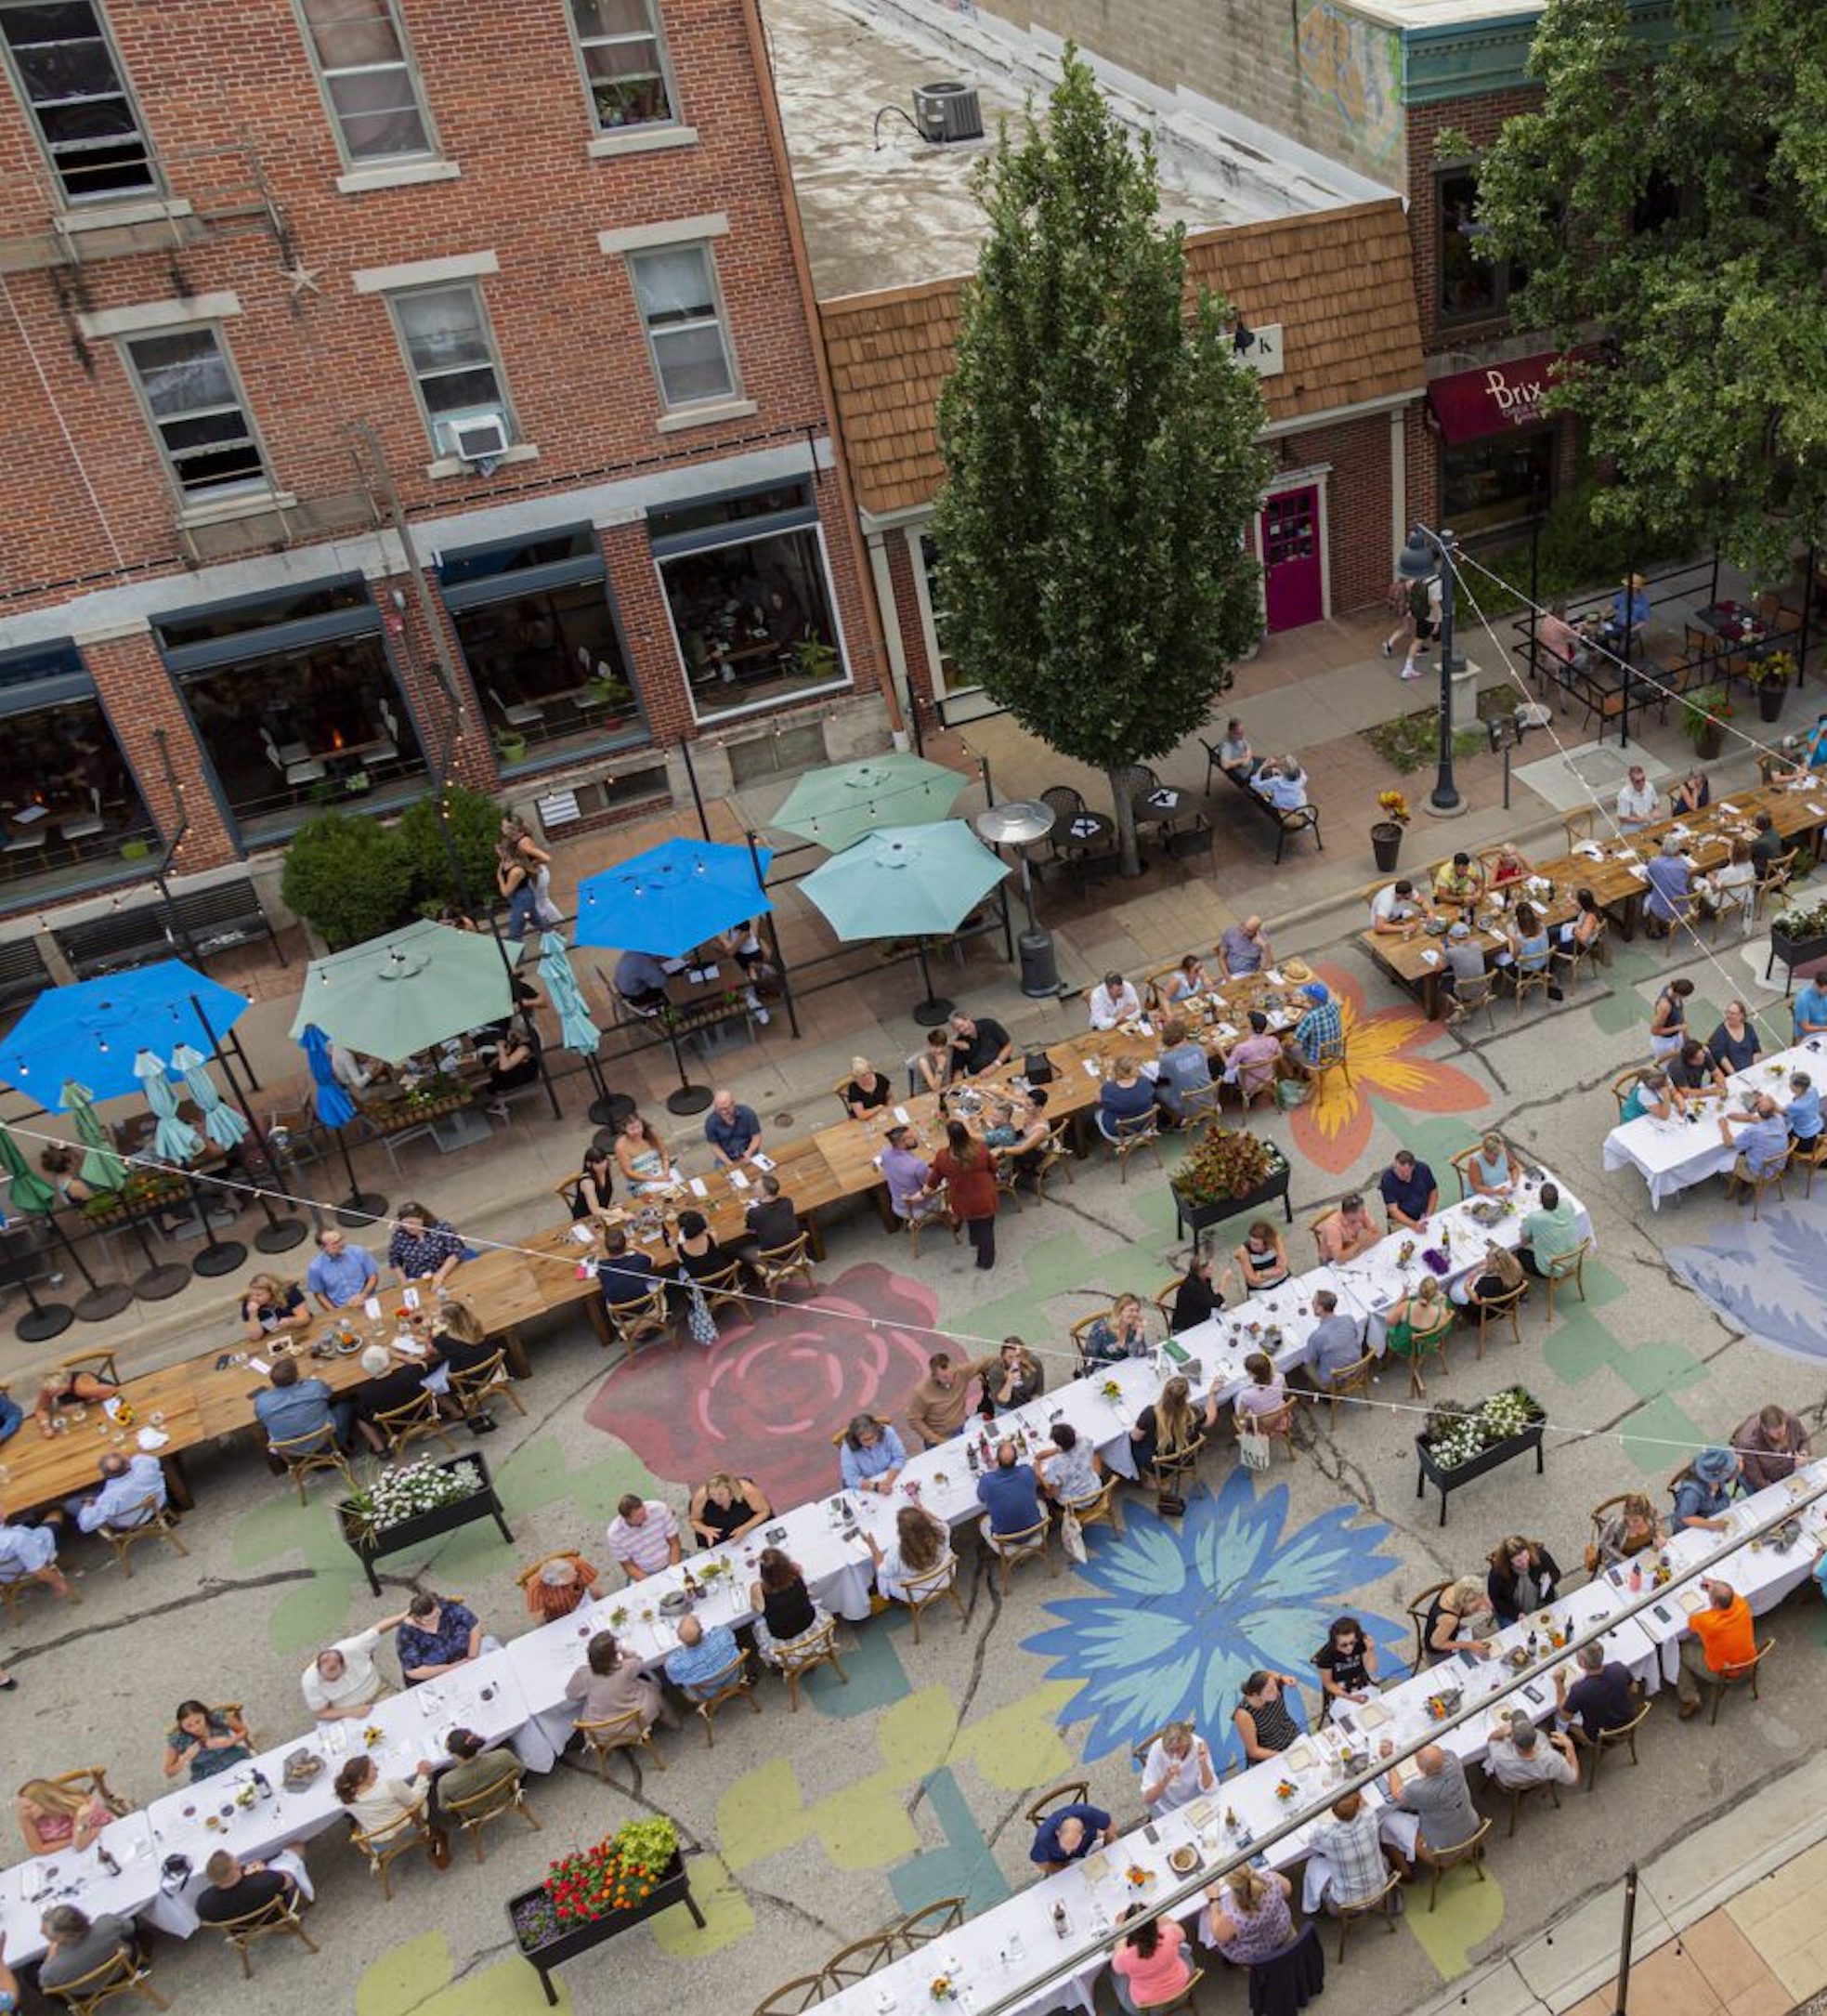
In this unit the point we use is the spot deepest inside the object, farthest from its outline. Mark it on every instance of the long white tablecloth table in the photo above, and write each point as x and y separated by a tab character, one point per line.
1673	1155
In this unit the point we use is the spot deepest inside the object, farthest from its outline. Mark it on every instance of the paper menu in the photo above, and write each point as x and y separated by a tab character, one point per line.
737	1180
697	1186
763	1163
901	1118
582	1234
257	1363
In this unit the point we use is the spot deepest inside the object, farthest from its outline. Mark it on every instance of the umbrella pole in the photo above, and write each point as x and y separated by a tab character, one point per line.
218	1256
773	931
608	1109
105	1299
162	1280
689	1098
934	1010
280	1234
42	1320
360	1207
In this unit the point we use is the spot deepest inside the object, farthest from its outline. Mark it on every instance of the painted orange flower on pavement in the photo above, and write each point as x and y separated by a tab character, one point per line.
1333	1128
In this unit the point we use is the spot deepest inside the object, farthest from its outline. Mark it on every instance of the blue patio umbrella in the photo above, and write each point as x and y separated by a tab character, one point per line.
221	1122
91	1031
576	1030
173	1140
334	1110
672	897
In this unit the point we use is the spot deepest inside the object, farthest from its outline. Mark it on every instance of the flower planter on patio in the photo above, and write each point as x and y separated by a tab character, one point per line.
1196	1219
1448	1477
1794	952
543	1945
370	1545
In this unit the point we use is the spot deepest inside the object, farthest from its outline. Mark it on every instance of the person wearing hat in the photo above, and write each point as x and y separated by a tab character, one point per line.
562	1585
1518	1758
1703	1491
1319	1033
1463	955
1724	1635
1630	606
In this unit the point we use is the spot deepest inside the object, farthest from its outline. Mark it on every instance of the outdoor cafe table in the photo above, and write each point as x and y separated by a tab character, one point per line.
1673	1155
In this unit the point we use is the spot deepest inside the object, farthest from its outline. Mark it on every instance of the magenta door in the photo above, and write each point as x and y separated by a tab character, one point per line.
1293	591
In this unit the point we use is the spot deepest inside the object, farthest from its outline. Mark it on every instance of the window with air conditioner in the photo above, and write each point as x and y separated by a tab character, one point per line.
451	354
64	65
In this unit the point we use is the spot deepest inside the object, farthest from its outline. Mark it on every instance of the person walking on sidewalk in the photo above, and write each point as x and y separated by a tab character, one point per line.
1424	605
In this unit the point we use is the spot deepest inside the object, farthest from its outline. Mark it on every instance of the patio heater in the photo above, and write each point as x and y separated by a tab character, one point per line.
1018	823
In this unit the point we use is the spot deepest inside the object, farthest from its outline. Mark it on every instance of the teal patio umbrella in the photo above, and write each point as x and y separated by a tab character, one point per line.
221	1122
838	806
576	1030
28	1191
405	991
174	1140
906	882
102	1168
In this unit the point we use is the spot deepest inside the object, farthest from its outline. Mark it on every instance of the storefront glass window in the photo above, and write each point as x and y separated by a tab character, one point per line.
1494	481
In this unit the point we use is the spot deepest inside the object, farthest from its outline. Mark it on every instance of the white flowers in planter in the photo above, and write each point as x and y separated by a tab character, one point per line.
1455	1434
397	1495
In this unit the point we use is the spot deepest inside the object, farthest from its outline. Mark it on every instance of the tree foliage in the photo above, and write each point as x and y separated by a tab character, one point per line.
1674	197
1100	454
476	820
348	878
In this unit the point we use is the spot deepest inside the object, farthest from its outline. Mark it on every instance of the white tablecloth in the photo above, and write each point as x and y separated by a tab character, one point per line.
1673	1155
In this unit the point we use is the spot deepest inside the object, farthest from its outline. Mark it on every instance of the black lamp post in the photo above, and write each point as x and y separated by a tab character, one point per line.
1427	554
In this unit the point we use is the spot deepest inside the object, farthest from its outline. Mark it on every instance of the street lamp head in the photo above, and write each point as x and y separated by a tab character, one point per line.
1419	559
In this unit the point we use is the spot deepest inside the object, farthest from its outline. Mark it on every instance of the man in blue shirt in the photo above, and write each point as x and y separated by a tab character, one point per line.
340	1273
625	1276
1011	1496
1804	1115
1068	1834
1810	1011
1335	1342
1409	1193
128	1482
872	1456
1183	1066
1763	1141
640	979
1322	1030
700	1657
292	1409
732	1130
1282	782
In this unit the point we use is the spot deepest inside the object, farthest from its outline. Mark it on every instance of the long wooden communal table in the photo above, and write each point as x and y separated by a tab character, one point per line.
1797	812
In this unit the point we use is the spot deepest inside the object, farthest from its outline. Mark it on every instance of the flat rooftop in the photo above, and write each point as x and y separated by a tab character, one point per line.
884	208
1445	13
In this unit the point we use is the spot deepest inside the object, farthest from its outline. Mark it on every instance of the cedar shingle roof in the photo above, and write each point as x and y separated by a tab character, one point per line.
1339	282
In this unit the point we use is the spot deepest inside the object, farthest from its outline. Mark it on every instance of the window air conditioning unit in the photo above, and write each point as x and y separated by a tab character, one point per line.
481	439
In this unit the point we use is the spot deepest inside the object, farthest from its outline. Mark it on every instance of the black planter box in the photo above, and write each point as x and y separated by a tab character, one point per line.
369	1548
674	1887
1794	952
1500	1453
1196	1219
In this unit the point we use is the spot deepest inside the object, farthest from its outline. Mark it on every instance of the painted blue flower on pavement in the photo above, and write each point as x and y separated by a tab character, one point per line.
1764	1278
1183	1612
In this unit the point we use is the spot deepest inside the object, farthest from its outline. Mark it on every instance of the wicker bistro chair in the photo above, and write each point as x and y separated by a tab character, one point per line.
1568	1267
1101	1505
1522	1795
1384	1901
818	1648
929	1922
300	1455
635	1322
1623	1737
1349	1381
935	1585
1143	1131
1499	1309
1417	1608
382	1849
778	1264
488	1380
277	1918
1744	1673
624	1731
1012	1549
417	1421
794	1997
473	1814
1745	1181
722	1687
160	1524
1070	1792
1472	1850
724	1289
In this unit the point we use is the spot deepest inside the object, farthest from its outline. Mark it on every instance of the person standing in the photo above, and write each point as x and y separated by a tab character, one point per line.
968	1171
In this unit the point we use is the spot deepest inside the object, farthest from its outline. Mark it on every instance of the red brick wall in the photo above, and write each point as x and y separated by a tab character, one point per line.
1480	120
1358	527
904	616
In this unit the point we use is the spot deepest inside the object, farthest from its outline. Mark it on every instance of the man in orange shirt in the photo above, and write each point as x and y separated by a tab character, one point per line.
1723	1636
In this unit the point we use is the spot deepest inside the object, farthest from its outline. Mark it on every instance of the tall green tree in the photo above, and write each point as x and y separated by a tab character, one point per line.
1673	199
1100	455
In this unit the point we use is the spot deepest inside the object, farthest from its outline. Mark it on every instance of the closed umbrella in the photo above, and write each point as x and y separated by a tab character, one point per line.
576	1030
906	882
221	1122
174	1140
32	1197
28	1191
334	1110
836	807
102	1169
672	897
228	1127
406	992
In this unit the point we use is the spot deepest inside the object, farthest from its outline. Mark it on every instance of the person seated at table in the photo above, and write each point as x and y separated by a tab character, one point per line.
1199	1296
611	1682
699	1656
641	1156
920	1544
1653	1094
1121	1332
424	1247
932	1066
1459	1620
564	1585
1437	1794
235	1889
1637	805
1068	1834
1768	1444
1187	981
64	1388
1634	1528
1319	1036
785	1615
1735	1043
1016	1377
27	1552
1347	1662
771	1221
1810	1009
1415	1325
1691	1070
872	1456
1694	794
271	1307
1255	1061
1124	1097
1177	1769
77	1944
640	981
377	1805
1112	1000
977	1045
1492	1168
725	1507
1171	1427
1349	1865
1181	1068
1459	881
439	1636
1725	1635
1804	1116
1283	782
1500	1274
1262	1258
517	1058
1152	1964
391	1383
1762	1140
1523	1757
470	1770
204	1741
1768	846
1347	1231
1549	1233
1671	887
54	1816
594	1190
1703	1491
1010	1495
1002	1133
1335	1343
1630	606
1462	957
1236	758
1521	1577
133	1491
1247	1916
291	1407
1264	1398
644	1536
626	1276
1508	865
868	1090
1559	639
1243	950
1263	1723
1605	1697
732	1130
696	1249
742	942
1409	1193
1530	951
62	1163
1397	909
1068	1469
1585	930
343	1680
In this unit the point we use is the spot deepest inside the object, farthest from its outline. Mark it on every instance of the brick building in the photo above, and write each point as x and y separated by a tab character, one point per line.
398	390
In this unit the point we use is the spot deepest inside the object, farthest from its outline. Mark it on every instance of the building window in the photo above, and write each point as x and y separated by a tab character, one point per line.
71	813
1472	289
1497	481
295	704
73	84
198	411
750	599
359	51
451	357
935	614
538	634
677	289
626	67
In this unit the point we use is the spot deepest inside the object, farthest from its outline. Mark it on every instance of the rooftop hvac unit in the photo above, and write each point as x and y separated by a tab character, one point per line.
948	112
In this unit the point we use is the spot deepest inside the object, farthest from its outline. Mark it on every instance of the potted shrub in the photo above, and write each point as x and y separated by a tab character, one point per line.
1460	1443
1704	715
1772	676
1385	833
510	745
595	1893
415	1502
1799	935
1225	1173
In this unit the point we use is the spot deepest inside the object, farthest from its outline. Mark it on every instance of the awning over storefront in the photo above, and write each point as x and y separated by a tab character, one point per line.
1470	405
